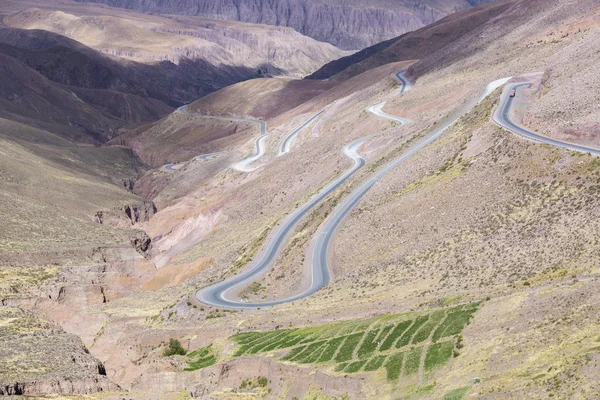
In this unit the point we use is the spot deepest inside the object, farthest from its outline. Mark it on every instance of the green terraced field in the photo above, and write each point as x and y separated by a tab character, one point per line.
201	358
396	333
401	344
413	360
438	354
347	349
393	366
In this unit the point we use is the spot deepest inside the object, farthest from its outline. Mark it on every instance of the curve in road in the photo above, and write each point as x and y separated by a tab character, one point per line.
377	109
400	75
502	117
322	246
216	294
259	151
259	148
202	157
286	143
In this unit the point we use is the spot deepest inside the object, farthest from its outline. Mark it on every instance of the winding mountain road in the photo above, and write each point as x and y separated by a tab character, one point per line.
202	157
377	109
259	146
218	293
286	144
502	117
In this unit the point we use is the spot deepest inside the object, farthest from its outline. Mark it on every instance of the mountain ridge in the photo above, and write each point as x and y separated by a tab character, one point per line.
347	25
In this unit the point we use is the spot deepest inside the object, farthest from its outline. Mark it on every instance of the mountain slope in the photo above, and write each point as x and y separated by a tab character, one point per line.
71	89
77	113
348	25
198	45
68	62
413	45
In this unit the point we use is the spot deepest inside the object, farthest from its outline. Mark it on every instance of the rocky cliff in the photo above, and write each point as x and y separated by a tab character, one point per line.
126	215
347	24
38	358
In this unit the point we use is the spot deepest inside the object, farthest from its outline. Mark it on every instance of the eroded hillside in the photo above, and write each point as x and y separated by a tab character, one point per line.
217	53
348	25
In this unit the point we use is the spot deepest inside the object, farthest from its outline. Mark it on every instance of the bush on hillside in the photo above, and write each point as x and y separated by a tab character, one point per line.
174	348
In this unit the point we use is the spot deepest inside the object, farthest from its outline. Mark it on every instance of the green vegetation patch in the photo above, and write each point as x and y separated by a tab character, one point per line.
454	323
253	383
307	352
413	361
405	339
375	363
425	330
355	366
312	355
347	350
398	330
330	349
456	394
293	353
393	366
340	367
201	358
438	354
174	348
368	344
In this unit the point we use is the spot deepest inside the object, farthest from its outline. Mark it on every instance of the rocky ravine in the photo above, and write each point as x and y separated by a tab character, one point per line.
347	24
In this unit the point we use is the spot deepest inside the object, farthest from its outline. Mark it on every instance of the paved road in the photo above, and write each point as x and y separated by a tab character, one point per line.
377	109
172	167
320	258
259	151
259	148
405	83
201	157
286	144
502	117
216	294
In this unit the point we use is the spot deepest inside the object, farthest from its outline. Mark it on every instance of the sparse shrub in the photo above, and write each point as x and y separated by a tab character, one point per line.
174	348
262	381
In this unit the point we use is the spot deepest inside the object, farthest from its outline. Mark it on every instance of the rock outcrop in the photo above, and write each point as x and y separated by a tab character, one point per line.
38	358
58	386
126	215
346	24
